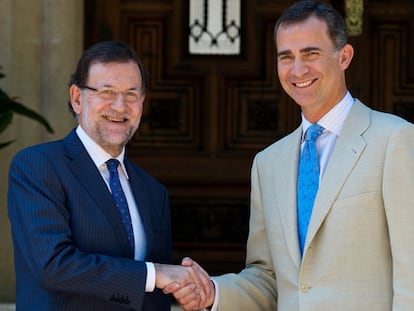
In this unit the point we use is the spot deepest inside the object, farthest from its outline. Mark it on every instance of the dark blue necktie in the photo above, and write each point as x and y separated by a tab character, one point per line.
120	200
308	181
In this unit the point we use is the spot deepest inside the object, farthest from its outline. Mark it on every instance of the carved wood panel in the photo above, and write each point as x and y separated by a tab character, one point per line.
206	116
392	63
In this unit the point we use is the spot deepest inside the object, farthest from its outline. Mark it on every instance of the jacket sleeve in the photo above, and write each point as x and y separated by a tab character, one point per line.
254	288
398	196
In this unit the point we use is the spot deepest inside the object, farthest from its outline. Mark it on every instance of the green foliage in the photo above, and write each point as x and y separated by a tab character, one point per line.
9	106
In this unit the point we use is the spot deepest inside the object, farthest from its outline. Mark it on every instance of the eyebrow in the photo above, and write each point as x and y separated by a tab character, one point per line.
304	50
134	88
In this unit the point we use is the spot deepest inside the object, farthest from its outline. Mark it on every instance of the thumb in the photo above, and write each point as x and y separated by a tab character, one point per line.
187	262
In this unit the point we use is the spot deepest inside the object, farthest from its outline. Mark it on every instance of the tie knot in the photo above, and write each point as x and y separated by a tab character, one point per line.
112	165
313	132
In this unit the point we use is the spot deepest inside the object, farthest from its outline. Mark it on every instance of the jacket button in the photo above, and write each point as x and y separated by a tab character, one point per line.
304	288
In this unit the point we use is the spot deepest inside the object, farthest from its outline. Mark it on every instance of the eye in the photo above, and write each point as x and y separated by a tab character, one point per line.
284	58
107	93
131	96
312	54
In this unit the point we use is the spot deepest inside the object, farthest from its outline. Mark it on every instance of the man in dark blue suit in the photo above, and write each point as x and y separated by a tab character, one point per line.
71	245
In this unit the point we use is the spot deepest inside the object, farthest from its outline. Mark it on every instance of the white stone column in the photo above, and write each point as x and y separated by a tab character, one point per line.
41	43
61	48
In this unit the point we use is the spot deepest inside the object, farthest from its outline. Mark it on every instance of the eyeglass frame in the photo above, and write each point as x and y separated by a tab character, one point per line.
115	95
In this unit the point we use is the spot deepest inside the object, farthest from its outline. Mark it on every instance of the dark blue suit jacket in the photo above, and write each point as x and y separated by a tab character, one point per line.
70	247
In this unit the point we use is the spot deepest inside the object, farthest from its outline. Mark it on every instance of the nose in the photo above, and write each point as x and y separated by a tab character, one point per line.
299	68
118	102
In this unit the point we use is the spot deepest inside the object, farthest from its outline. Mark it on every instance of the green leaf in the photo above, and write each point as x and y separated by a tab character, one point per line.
9	106
22	110
4	101
2	145
5	120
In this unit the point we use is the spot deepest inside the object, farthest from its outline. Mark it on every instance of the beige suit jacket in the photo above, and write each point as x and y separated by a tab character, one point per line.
359	252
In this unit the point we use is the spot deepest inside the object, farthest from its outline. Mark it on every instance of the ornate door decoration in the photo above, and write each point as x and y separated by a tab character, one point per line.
214	27
354	10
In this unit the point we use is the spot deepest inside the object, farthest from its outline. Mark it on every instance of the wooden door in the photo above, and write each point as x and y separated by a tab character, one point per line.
206	116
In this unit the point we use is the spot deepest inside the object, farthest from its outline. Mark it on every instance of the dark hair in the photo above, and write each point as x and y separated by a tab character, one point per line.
105	52
304	9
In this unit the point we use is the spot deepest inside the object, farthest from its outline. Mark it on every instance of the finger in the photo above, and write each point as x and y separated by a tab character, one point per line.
208	293
191	306
190	302
203	279
199	283
188	262
188	297
171	288
186	294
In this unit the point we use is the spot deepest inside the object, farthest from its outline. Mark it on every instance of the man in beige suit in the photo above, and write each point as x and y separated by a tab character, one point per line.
359	249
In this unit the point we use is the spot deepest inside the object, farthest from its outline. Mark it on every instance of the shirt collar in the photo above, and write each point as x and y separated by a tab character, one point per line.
97	153
334	120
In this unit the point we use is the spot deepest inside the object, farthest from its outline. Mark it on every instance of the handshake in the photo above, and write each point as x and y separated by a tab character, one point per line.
189	284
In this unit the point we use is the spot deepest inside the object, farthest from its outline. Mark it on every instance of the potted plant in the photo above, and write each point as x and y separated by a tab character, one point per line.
9	106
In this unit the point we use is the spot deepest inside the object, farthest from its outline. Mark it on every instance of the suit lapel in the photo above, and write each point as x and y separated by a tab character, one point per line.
348	149
90	178
285	171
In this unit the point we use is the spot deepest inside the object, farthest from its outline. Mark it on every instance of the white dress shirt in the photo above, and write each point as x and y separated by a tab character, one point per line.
99	157
332	123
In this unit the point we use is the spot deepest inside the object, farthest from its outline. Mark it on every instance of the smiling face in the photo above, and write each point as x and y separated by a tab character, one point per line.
310	69
110	123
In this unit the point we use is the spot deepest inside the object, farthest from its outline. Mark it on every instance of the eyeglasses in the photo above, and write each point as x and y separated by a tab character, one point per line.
108	93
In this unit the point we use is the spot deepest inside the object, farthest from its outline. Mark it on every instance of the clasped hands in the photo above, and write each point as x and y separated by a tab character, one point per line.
189	284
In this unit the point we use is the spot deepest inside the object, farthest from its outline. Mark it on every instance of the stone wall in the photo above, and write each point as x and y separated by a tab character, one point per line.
41	42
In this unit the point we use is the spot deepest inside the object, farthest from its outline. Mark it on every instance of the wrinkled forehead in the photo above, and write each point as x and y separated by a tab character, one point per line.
115	73
307	32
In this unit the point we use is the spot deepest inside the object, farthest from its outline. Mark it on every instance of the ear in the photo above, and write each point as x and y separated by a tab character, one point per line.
346	55
75	98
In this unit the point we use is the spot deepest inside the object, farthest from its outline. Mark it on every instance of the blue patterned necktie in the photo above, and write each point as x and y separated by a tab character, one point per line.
308	181
120	200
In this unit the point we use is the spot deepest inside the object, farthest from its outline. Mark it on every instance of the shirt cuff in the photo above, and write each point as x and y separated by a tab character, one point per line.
214	307
150	284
